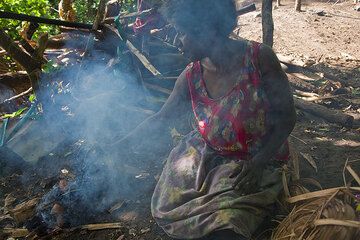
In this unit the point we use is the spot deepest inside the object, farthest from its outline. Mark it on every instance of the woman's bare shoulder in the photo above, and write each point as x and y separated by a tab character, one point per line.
268	61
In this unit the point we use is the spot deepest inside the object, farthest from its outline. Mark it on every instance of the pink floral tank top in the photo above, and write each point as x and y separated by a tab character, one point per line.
234	124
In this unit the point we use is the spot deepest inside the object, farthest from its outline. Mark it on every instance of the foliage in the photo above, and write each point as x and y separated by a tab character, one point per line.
6	64
86	9
38	8
14	114
32	98
85	12
50	66
129	5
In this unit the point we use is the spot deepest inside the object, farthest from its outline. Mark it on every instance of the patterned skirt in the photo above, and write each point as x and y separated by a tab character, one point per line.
194	196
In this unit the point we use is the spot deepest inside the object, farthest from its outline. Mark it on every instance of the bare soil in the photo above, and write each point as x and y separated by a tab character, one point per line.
326	35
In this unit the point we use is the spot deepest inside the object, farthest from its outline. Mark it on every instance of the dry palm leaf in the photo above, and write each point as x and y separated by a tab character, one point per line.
294	159
322	215
310	160
353	174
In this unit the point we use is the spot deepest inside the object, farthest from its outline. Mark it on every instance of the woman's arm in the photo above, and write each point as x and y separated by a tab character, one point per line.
153	136
282	121
282	115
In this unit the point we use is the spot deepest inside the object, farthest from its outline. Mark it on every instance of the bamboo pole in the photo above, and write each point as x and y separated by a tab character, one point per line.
24	17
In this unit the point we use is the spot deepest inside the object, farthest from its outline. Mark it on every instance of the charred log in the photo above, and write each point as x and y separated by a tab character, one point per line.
333	116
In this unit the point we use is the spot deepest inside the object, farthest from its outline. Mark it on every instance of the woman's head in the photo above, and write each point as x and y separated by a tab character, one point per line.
200	22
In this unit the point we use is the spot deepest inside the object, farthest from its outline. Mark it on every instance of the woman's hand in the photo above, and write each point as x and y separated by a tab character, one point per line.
248	175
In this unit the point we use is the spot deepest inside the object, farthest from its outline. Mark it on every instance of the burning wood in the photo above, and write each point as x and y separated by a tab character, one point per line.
117	207
24	211
100	226
15	232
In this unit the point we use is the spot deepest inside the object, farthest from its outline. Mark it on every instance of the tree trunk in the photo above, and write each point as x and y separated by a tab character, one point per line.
66	11
90	9
298	5
267	22
32	64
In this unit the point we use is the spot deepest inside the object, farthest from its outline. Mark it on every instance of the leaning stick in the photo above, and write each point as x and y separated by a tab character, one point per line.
24	17
17	96
99	226
353	174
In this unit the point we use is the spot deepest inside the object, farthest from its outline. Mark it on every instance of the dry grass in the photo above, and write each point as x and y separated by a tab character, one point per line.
328	215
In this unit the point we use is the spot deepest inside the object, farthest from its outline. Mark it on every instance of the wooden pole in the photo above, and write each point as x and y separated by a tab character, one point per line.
298	5
267	22
24	17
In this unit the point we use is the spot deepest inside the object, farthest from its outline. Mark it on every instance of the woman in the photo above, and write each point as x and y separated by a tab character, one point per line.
223	177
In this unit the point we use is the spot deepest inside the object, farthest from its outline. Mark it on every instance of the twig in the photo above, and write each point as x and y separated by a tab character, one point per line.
344	176
336	222
318	194
314	98
99	226
298	139
116	207
158	88
162	78
336	2
310	160
353	161
134	51
18	96
143	59
137	14
306	94
353	174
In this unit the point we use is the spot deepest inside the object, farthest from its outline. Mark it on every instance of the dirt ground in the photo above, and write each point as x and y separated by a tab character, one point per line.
325	38
326	35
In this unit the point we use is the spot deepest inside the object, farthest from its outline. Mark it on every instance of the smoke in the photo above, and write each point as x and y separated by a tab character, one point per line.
93	103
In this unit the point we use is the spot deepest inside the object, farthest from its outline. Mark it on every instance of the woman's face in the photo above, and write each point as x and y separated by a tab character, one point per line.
194	45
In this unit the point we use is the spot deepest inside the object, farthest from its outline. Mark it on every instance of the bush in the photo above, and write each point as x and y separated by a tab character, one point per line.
38	8
85	12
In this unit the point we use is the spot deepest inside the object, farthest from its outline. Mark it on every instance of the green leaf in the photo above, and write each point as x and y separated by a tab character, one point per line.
14	114
32	98
355	92
50	66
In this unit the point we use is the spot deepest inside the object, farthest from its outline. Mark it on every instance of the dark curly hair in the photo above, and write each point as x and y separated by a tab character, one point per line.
194	16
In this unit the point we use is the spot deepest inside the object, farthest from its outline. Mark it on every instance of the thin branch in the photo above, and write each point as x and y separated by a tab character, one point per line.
298	139
18	96
15	52
343	173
